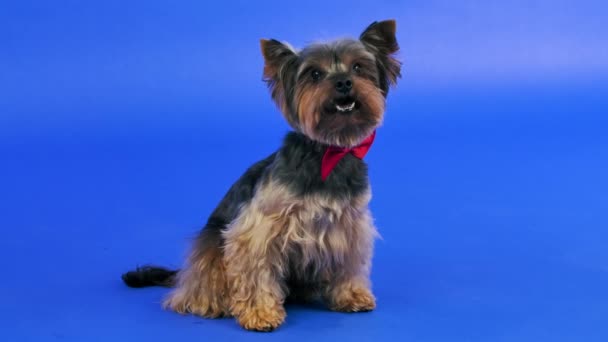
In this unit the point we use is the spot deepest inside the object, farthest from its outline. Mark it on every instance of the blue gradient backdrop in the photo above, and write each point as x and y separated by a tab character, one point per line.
122	123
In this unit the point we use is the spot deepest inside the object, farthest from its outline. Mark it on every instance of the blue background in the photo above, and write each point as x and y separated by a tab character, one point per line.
122	123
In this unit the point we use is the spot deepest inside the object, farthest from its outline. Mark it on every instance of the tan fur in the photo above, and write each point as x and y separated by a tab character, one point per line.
280	236
372	99
324	241
309	102
201	288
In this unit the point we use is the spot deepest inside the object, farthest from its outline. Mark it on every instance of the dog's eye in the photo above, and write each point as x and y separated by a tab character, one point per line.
315	75
357	67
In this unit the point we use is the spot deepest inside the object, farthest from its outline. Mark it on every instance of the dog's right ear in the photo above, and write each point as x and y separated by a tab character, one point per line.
276	56
280	67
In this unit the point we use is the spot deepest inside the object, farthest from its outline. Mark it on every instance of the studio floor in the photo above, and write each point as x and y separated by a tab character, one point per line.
490	191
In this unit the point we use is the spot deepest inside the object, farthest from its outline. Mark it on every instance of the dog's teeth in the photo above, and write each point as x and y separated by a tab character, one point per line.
346	108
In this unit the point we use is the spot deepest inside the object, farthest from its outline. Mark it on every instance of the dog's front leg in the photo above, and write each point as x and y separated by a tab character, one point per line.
348	288
255	269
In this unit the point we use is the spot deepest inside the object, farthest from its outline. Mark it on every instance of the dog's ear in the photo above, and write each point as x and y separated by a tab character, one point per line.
379	38
276	56
280	66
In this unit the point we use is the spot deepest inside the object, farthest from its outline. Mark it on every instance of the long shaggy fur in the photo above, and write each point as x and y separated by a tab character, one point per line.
281	231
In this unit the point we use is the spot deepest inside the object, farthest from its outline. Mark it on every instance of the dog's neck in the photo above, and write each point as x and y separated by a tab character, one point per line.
333	154
298	166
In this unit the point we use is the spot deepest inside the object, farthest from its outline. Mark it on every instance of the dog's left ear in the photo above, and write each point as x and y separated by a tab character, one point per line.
379	38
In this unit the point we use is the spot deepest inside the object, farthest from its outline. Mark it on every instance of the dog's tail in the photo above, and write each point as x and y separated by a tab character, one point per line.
150	276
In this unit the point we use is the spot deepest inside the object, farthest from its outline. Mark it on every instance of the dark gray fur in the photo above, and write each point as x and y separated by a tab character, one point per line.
297	165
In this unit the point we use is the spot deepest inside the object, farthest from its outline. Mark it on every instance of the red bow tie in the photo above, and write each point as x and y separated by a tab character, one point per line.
334	154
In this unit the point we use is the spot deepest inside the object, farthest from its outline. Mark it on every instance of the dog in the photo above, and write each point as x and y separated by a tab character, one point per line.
296	224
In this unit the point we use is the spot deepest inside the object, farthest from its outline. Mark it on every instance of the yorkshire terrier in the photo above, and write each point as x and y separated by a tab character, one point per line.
296	224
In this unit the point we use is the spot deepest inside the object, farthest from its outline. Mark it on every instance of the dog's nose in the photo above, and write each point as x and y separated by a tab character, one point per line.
344	85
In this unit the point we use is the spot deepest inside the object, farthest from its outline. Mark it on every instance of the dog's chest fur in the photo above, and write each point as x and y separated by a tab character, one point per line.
313	225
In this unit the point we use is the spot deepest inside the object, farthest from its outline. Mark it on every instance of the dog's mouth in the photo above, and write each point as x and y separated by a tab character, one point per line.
345	121
345	108
344	105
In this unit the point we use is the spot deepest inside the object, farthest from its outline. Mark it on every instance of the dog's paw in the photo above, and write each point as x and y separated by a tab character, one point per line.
262	319
354	300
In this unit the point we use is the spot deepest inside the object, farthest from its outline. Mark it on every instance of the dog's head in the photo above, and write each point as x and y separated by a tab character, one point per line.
334	92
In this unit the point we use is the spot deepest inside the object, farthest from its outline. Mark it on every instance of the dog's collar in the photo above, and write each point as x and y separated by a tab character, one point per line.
334	154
